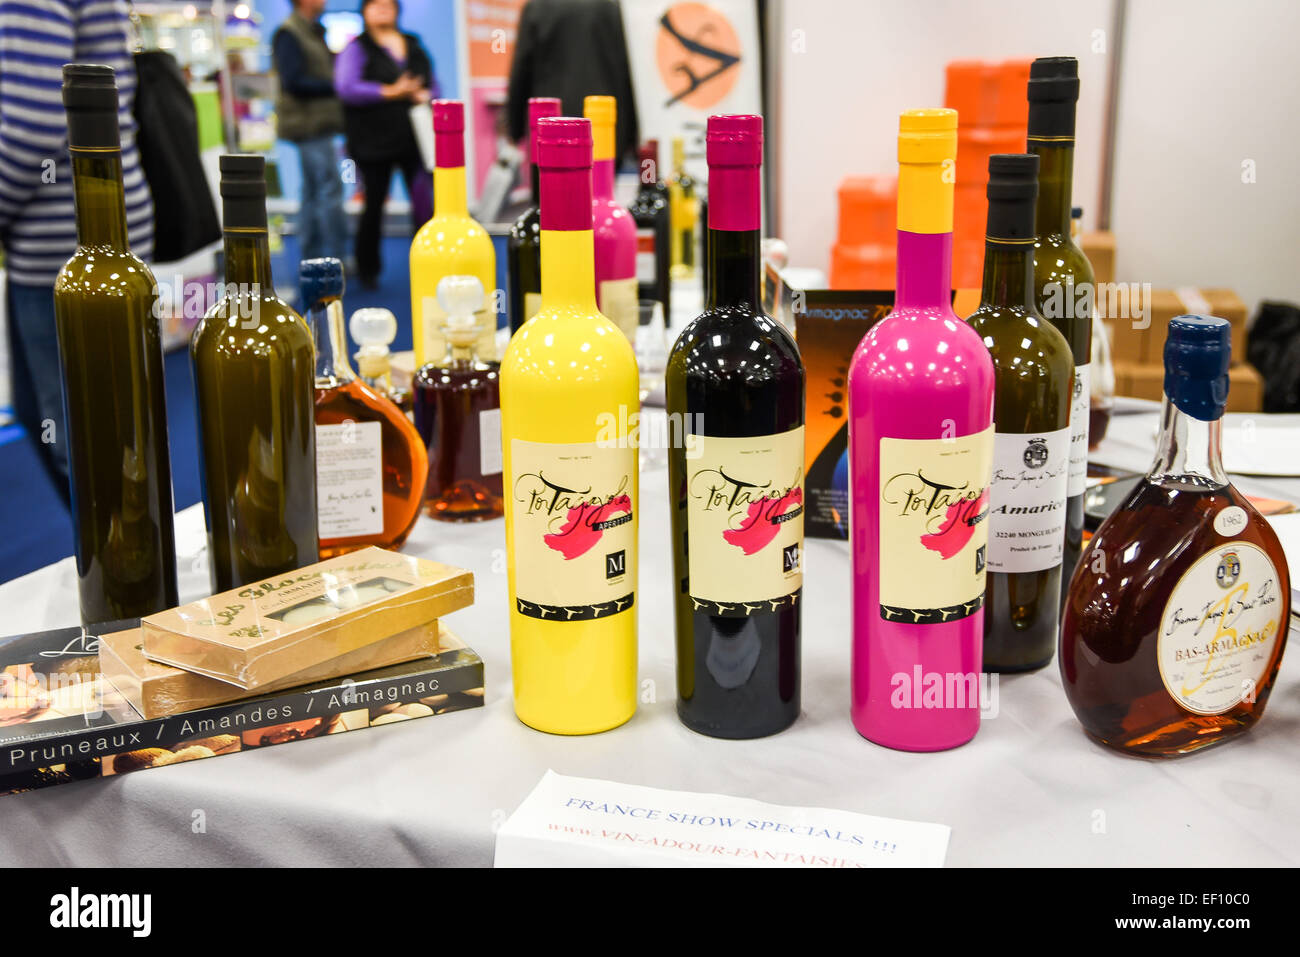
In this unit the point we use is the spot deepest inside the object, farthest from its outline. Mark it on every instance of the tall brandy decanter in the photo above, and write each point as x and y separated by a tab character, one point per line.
370	462
1178	610
458	413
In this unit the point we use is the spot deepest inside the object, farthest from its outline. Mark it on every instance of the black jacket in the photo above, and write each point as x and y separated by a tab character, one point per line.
383	130
571	49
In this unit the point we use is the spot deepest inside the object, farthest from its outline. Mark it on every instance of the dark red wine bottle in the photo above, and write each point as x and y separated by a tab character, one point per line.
735	396
653	230
524	243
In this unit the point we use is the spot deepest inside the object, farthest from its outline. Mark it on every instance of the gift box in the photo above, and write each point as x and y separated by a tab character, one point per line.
264	632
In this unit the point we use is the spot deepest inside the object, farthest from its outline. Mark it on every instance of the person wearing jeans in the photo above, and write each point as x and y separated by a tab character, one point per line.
310	116
38	225
379	76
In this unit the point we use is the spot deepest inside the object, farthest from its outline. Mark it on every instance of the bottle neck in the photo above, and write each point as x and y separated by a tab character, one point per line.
248	259
1189	452
331	343
449	191
1008	273
459	351
924	270
535	180
734	274
100	201
602	179
1055	185
569	269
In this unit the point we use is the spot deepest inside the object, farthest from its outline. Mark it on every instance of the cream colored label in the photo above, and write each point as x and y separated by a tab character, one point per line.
1220	628
744	517
349	480
618	302
1080	420
574	529
433	317
934	499
1027	500
435	343
532	304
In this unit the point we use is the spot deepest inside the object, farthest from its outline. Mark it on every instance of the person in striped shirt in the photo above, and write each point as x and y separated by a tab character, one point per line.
37	222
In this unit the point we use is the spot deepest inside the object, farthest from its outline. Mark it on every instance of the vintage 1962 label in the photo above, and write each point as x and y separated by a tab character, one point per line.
1220	628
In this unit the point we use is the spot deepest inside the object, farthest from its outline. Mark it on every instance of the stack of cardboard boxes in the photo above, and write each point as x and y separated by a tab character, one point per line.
1137	320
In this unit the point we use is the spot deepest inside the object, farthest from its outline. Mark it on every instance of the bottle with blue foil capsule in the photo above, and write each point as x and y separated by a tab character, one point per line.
1178	610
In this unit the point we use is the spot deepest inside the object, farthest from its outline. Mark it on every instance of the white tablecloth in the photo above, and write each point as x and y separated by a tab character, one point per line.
1030	789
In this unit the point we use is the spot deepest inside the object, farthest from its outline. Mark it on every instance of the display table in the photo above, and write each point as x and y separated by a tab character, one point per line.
1031	789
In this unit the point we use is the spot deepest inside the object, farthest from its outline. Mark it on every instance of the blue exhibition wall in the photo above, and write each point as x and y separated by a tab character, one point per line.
433	21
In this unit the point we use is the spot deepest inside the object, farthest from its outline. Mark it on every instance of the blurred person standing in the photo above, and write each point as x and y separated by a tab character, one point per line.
309	115
379	76
38	224
572	49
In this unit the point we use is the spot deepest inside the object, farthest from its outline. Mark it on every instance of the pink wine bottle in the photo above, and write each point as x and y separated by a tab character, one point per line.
614	227
920	459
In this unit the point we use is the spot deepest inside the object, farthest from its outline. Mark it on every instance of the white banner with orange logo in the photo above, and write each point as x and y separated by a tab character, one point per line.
689	61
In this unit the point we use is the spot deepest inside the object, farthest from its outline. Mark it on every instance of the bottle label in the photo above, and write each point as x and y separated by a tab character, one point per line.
489	442
1080	408
934	496
532	304
1027	500
618	303
574	529
744	519
435	343
433	317
645	255
349	480
1220	629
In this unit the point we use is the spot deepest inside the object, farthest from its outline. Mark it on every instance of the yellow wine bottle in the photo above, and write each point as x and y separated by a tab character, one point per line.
569	398
452	243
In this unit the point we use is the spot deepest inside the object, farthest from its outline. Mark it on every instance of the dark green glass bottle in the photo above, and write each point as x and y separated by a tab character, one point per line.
254	372
1063	282
1031	414
105	308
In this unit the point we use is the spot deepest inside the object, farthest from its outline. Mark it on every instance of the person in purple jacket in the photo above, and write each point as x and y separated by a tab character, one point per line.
379	76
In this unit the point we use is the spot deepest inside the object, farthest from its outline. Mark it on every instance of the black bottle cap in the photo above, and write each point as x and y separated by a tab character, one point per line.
320	280
1013	195
1198	351
1053	94
243	191
90	99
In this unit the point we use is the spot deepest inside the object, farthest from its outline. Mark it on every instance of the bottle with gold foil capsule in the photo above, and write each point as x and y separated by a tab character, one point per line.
452	243
612	224
524	244
370	463
736	382
920	459
684	214
373	330
254	375
111	349
1178	611
569	383
1063	283
458	414
1031	446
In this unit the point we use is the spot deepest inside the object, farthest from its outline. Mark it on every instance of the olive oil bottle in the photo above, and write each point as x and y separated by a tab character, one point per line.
255	375
111	351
